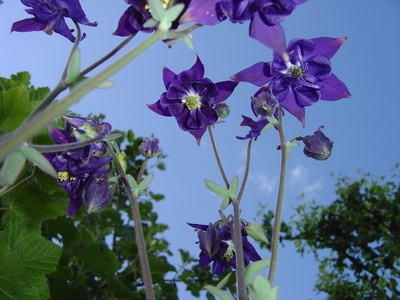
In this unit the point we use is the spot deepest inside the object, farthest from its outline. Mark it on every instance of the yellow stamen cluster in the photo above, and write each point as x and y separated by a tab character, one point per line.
192	101
64	175
297	72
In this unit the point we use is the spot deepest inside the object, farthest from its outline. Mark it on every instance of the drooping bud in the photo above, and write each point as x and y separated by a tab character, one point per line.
317	145
263	104
257	232
149	147
222	110
98	193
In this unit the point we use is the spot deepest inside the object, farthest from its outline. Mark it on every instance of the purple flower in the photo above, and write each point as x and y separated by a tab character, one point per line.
149	147
216	246
304	79
317	145
206	12
191	99
263	105
82	171
131	22
49	16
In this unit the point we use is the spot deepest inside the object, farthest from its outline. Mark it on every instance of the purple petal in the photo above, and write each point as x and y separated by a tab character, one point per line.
28	25
198	68
271	36
73	205
60	136
202	12
327	46
299	1
198	226
168	76
61	27
225	89
125	27
159	109
291	106
258	74
333	89
198	134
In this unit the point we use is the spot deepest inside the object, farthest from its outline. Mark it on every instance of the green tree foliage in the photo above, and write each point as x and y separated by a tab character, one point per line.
356	239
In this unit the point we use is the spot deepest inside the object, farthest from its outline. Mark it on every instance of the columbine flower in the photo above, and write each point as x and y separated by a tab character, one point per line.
131	22
216	246
317	145
304	79
263	105
81	171
49	16
191	98
149	147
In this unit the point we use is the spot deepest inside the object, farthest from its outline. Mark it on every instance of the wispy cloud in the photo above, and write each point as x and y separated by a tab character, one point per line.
299	181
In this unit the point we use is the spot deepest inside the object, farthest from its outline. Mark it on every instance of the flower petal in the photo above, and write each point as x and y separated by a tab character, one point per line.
202	12
327	46
333	89
225	89
258	74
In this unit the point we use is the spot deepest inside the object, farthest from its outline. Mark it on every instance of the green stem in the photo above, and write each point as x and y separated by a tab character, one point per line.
246	170
237	241
29	129
279	202
221	169
141	244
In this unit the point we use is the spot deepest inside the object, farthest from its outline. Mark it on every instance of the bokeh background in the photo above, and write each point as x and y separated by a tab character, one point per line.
366	128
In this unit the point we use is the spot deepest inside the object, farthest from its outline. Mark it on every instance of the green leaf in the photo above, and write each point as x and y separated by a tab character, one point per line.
74	66
217	189
218	292
227	280
255	267
145	182
14	108
156	9
11	168
260	289
99	257
133	184
233	187
35	257
33	205
21	78
172	13
38	159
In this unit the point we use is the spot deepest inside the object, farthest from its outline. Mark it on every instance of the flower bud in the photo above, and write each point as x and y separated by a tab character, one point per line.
317	145
149	147
97	193
222	110
264	104
257	232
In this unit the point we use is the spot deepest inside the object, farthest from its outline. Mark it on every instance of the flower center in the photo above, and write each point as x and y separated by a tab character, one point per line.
296	72
192	101
229	252
64	175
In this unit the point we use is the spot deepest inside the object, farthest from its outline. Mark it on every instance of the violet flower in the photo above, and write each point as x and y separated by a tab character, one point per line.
149	148
304	79
191	99
82	171
49	16
216	246
263	105
317	145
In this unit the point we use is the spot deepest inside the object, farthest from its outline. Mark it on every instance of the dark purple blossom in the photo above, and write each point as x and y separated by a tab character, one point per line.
304	79
206	12
149	147
49	16
131	22
82	172
263	105
191	99
317	145
216	246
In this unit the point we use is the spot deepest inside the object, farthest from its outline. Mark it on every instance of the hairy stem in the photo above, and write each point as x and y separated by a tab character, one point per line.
221	169
237	240
141	244
279	202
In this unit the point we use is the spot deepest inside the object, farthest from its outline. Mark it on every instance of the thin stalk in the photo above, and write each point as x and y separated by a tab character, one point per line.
141	244
221	169
29	129
237	240
279	202
246	170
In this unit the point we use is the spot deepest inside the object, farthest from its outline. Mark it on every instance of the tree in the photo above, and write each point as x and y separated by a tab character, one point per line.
361	232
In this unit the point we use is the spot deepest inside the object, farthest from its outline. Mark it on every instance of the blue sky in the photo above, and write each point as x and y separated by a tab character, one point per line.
365	129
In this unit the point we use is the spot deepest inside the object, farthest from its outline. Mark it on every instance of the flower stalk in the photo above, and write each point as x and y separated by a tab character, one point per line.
279	202
144	262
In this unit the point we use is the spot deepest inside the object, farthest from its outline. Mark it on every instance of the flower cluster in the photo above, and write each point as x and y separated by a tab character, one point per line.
82	171
191	99
217	246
